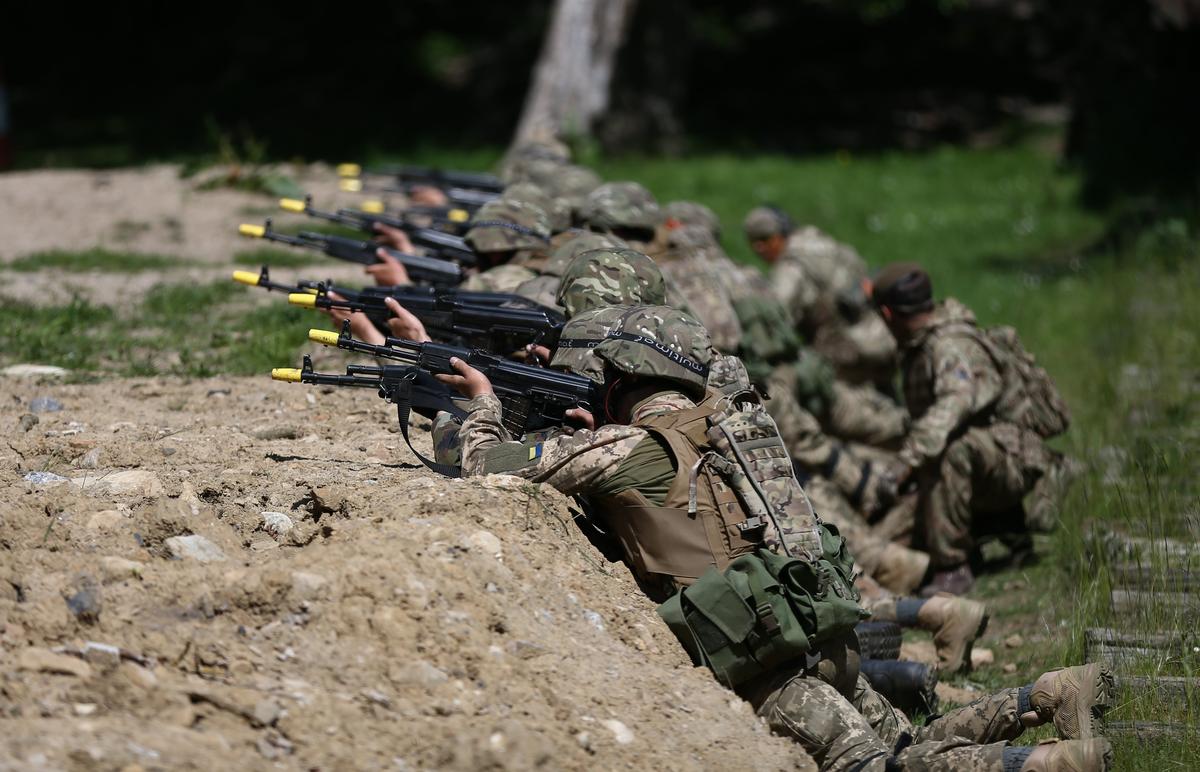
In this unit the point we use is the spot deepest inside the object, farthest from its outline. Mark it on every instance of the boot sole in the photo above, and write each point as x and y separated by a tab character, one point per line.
1091	722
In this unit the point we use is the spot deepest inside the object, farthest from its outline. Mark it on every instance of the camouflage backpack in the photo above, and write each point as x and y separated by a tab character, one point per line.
1030	399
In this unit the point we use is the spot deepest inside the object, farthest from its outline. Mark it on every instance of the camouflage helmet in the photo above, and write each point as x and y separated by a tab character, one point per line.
650	341
610	277
503	224
518	159
574	184
558	211
691	213
620	205
583	242
763	222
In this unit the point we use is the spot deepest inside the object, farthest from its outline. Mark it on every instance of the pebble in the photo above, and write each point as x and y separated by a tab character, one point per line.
44	478
420	673
594	619
187	494
89	460
306	586
103	654
84	708
266	712
525	649
45	405
138	676
85	604
27	422
1010	668
194	547
623	733
278	433
276	523
1013	641
584	739
981	657
105	520
487	543
45	661
131	482
33	371
116	569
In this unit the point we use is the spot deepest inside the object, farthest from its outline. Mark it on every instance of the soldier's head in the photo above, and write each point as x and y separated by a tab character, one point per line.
504	227
531	151
634	352
903	293
600	278
624	209
767	229
690	214
558	211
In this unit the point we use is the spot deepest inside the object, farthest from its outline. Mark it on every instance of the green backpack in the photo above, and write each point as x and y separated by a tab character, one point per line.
766	609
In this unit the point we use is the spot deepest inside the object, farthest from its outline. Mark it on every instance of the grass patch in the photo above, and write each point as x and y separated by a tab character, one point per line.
278	258
96	259
325	227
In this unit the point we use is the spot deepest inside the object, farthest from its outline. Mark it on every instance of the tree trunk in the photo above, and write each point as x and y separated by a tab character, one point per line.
570	87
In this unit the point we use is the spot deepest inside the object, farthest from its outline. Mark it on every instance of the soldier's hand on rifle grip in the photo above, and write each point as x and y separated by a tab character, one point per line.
404	324
360	325
426	195
393	237
582	418
469	382
389	272
537	354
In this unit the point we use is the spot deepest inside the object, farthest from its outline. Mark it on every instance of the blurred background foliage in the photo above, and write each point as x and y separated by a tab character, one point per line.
113	85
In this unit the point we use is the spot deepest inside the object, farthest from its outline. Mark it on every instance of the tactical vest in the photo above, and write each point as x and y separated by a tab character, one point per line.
734	492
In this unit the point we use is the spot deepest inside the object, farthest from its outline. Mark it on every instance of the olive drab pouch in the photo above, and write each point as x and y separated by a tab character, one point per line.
768	332
765	610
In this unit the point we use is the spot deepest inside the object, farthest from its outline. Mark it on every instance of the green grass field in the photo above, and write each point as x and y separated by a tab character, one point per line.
1116	322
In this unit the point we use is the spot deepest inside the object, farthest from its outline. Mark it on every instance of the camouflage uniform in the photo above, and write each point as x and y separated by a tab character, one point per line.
847	727
558	211
516	163
820	281
686	264
619	207
970	467
570	184
543	289
508	225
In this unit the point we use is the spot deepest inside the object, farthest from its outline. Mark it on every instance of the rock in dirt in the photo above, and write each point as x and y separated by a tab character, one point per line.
115	569
89	460
1014	641
44	661
45	405
981	657
266	712
306	586
420	673
623	733
33	371
194	547
44	478
132	482
278	433
276	523
105	520
27	422
487	543
86	604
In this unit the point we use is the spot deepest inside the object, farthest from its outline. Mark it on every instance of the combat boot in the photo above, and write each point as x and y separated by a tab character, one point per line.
1070	756
1076	698
956	623
901	569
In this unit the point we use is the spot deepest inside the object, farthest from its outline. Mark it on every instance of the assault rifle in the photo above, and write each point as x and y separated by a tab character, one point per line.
463	197
446	246
533	398
428	175
451	317
429	270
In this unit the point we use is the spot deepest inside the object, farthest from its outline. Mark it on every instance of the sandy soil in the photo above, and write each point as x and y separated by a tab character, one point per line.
241	574
151	211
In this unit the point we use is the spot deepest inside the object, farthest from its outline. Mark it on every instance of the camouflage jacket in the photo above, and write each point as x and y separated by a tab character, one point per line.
502	278
950	382
814	272
573	461
688	265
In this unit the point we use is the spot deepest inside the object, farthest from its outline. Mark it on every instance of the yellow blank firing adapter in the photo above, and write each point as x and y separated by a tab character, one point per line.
246	277
305	299
253	231
349	170
323	336
350	186
372	206
458	215
286	374
293	205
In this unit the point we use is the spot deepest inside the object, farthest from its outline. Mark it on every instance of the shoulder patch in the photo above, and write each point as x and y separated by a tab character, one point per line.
510	456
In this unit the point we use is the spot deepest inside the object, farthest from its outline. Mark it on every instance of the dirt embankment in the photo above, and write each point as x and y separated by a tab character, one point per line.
240	574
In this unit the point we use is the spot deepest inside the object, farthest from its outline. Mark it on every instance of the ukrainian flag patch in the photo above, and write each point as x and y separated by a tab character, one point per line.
535	452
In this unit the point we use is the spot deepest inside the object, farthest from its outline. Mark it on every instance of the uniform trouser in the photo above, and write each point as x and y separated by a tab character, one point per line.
981	477
863	731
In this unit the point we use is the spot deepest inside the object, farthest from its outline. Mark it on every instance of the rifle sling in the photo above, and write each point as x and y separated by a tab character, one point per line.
402	396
